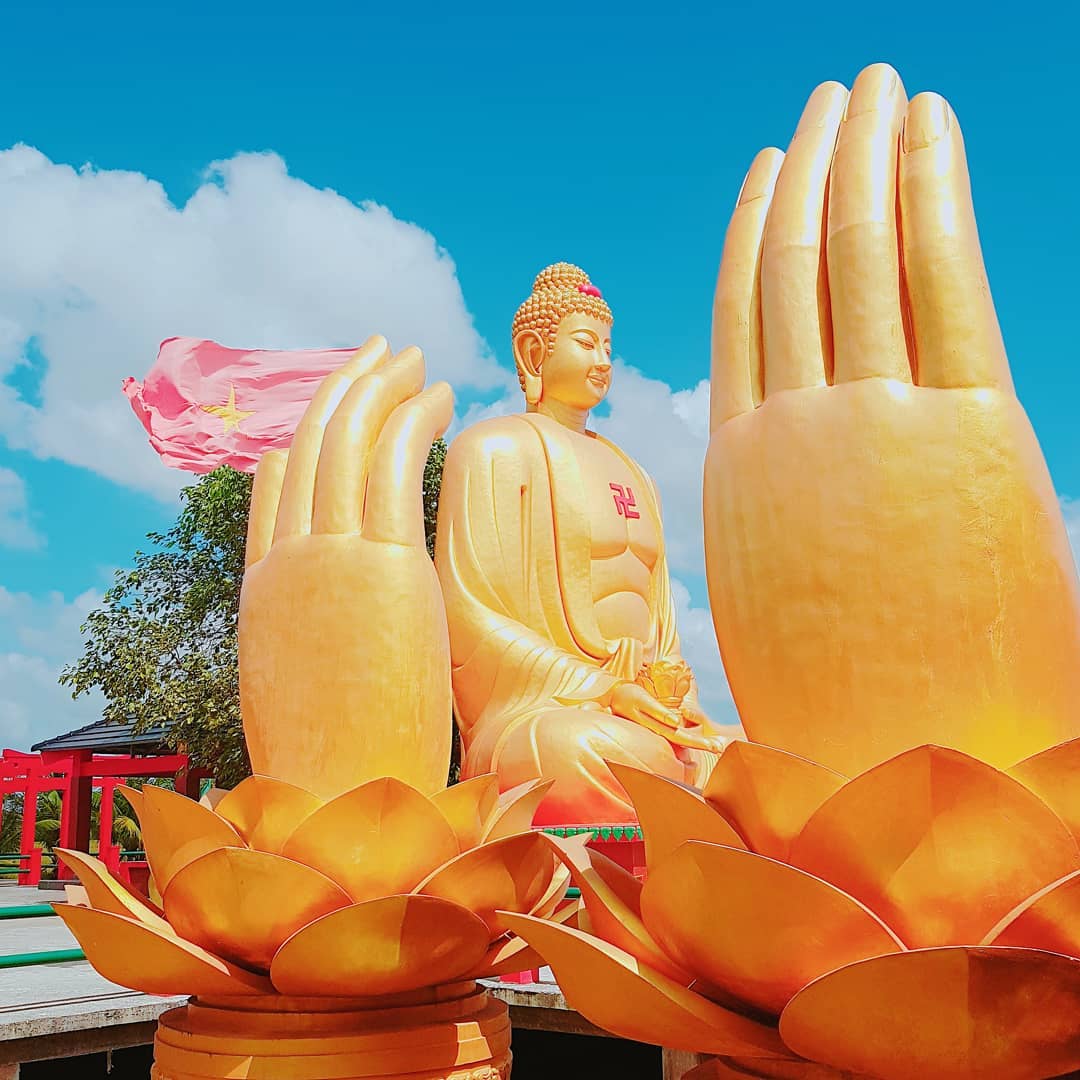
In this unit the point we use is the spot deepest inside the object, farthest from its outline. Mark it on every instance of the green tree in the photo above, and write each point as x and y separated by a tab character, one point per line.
11	822
125	830
162	647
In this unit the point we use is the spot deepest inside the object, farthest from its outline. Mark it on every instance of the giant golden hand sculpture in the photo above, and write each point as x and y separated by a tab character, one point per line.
550	550
886	557
892	890
331	913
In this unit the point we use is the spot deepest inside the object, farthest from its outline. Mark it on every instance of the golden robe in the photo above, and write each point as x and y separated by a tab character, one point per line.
529	661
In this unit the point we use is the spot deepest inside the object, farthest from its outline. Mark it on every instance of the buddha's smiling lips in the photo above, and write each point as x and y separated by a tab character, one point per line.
597	380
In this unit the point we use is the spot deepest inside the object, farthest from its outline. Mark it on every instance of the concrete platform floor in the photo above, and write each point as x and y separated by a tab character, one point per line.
58	1010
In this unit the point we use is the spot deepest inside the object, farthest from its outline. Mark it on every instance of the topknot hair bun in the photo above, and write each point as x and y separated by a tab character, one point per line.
562	275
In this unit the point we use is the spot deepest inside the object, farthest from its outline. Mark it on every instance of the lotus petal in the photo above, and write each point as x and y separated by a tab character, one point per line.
508	956
138	956
105	893
177	830
134	798
938	844
516	809
1049	920
671	813
768	795
243	904
265	811
1052	776
555	895
511	874
944	1013
511	954
754	927
468	806
615	991
612	898
377	839
383	946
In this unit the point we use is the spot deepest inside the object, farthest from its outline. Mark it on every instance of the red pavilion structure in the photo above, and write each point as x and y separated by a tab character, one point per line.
101	755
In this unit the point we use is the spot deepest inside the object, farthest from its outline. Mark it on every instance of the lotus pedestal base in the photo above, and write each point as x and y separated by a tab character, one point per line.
453	1032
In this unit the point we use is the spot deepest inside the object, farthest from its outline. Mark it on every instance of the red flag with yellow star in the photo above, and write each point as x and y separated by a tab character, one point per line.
204	405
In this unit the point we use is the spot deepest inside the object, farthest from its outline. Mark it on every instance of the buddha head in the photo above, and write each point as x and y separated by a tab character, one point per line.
562	340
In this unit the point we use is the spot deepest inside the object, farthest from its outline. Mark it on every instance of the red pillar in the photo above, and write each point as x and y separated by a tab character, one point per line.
108	852
75	815
188	781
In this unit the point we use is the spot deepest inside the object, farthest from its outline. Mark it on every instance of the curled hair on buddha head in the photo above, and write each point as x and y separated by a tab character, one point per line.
559	290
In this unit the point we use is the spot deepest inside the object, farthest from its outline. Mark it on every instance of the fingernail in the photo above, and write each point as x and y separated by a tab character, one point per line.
927	121
761	178
820	105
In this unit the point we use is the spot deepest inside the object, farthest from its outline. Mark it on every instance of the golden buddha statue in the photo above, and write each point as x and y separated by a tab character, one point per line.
550	551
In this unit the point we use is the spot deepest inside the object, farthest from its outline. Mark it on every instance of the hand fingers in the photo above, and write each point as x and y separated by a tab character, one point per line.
656	712
297	494
695	741
736	331
265	493
393	510
794	287
341	478
863	251
956	334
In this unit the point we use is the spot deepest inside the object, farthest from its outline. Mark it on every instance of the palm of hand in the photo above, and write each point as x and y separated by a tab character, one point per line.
887	561
344	658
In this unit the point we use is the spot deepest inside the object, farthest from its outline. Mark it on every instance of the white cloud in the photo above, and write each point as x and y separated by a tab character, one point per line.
15	528
41	636
99	267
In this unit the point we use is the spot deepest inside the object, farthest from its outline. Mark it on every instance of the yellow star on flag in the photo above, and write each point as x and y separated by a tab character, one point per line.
228	412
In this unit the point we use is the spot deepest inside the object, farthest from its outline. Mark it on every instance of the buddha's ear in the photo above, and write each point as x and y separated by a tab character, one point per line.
529	352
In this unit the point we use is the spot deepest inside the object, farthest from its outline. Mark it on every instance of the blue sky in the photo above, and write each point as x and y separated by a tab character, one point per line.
610	139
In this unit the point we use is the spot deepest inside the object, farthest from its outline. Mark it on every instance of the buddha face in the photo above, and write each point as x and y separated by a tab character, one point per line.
577	369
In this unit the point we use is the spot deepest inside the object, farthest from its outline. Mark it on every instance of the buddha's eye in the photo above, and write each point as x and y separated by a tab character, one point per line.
585	343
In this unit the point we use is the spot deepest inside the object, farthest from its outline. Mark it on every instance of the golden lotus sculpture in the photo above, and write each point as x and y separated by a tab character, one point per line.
332	912
885	880
922	918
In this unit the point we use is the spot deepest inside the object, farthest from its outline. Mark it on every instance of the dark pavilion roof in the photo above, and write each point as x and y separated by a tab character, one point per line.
109	737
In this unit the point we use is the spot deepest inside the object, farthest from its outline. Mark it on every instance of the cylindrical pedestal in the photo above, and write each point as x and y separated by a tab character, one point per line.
455	1032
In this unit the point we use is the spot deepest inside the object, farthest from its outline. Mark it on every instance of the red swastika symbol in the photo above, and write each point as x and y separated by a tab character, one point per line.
624	501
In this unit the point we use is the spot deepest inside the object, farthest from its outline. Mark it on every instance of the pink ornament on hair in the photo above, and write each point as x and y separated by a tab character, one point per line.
590	290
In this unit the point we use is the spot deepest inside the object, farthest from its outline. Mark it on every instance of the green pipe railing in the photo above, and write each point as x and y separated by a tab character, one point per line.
35	959
27	911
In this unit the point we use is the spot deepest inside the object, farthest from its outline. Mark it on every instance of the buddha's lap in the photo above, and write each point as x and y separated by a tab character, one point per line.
568	744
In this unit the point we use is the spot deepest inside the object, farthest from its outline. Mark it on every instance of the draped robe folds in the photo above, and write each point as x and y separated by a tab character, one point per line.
530	664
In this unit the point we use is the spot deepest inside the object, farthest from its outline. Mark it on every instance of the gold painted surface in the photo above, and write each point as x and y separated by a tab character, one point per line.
887	560
945	1014
550	551
329	698
466	1037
